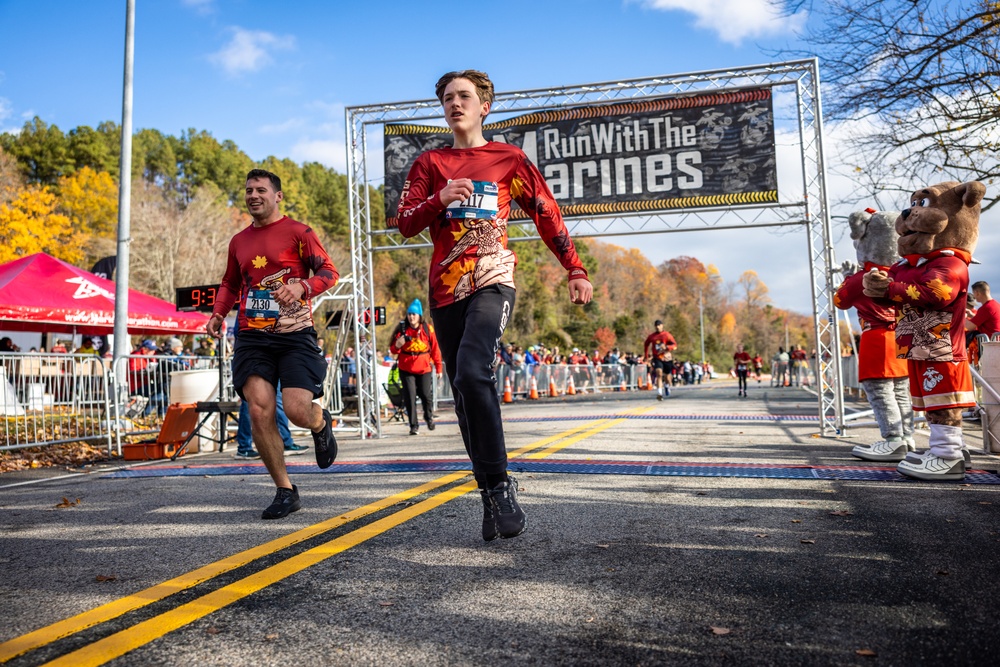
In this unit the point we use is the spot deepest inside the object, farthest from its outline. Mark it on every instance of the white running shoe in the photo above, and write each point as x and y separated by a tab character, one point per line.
932	468
891	450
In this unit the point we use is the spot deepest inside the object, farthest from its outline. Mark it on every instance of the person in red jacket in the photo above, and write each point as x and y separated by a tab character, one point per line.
463	194
416	345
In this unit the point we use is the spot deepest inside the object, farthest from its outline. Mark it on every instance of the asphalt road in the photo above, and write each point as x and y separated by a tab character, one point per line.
388	568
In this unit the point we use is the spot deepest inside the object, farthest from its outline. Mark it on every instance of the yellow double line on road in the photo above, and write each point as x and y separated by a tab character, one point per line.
122	642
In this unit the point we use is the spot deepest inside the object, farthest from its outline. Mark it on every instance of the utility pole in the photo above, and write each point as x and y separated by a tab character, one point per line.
701	324
121	346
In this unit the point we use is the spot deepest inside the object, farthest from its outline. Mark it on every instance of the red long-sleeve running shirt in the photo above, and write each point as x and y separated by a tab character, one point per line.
470	237
260	259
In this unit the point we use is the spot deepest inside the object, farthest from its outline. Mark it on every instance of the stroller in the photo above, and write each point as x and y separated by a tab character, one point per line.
394	390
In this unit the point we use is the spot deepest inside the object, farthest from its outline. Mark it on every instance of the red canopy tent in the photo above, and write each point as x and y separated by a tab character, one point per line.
42	293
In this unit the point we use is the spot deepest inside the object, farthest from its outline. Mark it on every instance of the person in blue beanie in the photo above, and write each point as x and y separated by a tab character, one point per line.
416	345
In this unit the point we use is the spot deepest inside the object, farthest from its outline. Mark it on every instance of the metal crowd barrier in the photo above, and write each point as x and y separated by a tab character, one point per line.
48	399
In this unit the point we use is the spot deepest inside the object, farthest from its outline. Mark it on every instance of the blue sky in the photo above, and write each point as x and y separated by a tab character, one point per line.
275	77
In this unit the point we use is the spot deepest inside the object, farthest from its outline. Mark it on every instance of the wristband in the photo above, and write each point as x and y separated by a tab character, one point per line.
579	273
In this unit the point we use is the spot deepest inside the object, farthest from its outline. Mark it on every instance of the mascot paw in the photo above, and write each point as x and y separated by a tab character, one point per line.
876	283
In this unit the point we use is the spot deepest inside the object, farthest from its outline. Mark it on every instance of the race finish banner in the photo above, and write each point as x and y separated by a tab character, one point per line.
711	150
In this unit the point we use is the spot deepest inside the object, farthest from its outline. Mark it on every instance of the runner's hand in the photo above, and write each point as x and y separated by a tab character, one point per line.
214	326
459	189
286	295
580	290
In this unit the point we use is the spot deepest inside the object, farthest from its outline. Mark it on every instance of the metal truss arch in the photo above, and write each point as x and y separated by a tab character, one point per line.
808	208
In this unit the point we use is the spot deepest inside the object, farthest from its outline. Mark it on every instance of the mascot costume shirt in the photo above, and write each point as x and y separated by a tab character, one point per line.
883	376
928	287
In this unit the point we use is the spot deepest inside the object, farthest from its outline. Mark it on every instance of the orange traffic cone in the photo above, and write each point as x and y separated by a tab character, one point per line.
570	387
624	386
533	392
508	396
553	392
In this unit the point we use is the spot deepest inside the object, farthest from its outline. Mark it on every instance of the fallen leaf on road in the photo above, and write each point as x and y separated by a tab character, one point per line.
716	630
943	573
985	502
66	502
814	435
808	541
866	652
762	535
213	630
386	603
796	520
102	577
590	619
271	637
602	546
841	513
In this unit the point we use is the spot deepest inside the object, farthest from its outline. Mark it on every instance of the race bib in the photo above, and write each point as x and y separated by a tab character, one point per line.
482	204
260	306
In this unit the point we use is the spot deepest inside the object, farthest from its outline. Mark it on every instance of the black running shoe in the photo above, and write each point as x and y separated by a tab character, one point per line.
285	502
324	443
489	517
430	424
510	520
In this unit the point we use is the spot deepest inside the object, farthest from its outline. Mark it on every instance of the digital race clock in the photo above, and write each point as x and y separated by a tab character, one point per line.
200	298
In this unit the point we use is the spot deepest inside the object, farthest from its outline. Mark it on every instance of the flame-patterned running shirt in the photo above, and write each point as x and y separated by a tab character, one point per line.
929	294
262	258
470	237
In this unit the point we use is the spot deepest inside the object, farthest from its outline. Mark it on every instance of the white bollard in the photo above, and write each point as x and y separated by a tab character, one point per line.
989	368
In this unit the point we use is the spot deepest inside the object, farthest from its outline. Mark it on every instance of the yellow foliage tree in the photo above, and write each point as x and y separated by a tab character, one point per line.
727	327
29	223
90	199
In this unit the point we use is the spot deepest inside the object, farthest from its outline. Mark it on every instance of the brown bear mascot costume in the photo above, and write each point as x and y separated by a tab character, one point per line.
937	235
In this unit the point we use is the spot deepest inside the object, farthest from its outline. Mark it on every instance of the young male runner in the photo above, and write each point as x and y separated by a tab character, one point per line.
463	193
268	273
658	348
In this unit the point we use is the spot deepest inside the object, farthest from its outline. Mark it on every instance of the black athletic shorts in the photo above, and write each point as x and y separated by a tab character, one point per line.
293	358
667	366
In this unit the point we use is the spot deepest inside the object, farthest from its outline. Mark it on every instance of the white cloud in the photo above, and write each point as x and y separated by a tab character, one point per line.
282	128
249	50
5	109
734	20
201	6
329	152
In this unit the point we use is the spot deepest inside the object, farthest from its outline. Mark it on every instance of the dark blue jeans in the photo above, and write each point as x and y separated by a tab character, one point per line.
469	333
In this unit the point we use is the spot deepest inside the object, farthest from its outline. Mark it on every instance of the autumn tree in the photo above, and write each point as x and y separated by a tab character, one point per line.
30	223
918	80
174	246
11	179
90	199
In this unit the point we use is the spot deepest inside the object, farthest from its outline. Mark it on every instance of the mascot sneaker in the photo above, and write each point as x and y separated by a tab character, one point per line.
932	468
890	450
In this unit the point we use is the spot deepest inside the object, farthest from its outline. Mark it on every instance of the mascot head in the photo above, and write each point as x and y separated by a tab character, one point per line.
945	215
874	236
